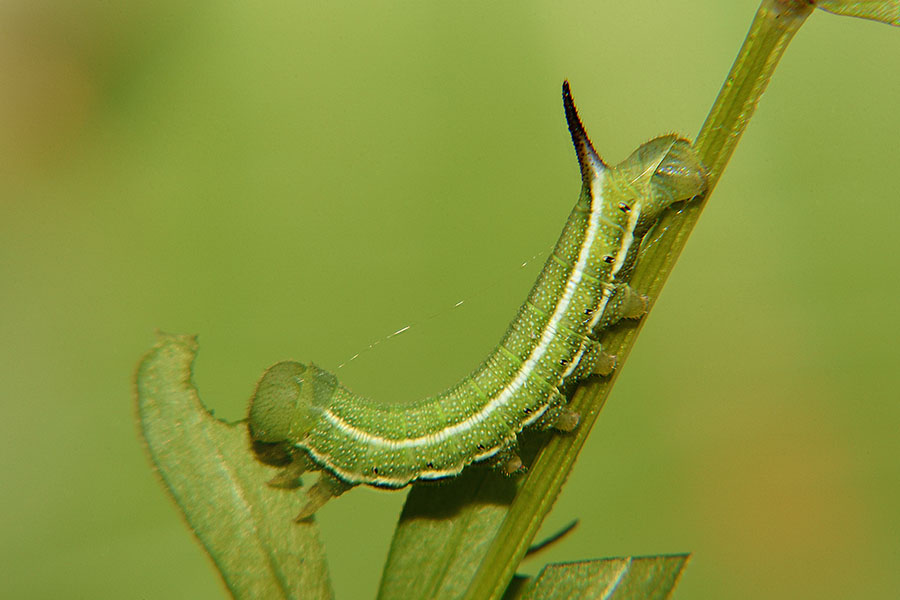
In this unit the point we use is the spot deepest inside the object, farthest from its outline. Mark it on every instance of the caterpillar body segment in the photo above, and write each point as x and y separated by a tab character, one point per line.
551	344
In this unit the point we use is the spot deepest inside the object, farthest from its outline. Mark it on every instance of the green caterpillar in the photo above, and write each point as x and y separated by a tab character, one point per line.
302	417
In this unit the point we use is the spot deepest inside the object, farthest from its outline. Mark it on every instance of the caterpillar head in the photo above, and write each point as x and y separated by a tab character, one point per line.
285	405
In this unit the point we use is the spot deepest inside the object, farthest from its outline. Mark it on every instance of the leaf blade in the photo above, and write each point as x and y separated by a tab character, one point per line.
885	11
245	526
446	530
629	578
453	524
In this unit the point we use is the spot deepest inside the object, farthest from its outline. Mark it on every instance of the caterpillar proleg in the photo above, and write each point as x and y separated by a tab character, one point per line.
301	415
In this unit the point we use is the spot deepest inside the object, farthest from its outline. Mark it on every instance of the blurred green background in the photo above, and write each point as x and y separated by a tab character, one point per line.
297	180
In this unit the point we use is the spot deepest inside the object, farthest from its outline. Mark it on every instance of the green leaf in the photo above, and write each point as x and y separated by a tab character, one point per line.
886	11
642	578
451	525
246	526
446	530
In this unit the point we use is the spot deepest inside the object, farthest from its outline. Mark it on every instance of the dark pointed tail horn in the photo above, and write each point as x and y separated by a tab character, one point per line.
590	162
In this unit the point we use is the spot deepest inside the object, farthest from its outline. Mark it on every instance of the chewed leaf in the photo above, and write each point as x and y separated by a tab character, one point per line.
246	526
886	11
631	578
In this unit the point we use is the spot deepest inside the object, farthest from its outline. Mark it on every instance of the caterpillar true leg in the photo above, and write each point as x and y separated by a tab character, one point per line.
327	487
289	476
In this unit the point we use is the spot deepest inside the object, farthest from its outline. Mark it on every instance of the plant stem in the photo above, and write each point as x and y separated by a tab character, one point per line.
774	26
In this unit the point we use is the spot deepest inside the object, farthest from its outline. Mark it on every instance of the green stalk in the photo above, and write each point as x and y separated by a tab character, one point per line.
772	29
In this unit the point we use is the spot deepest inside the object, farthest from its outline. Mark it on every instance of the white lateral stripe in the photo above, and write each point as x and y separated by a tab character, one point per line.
573	364
627	240
356	478
527	366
